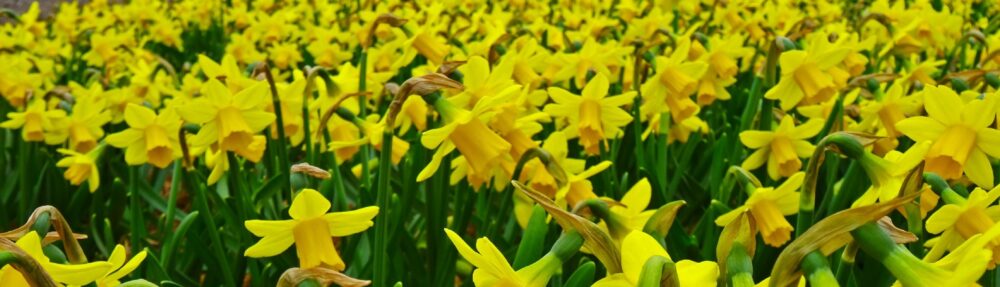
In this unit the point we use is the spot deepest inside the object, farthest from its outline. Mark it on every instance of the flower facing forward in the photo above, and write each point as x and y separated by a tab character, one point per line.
310	229
638	248
768	207
36	123
781	148
72	274
150	137
231	121
593	117
805	76
960	135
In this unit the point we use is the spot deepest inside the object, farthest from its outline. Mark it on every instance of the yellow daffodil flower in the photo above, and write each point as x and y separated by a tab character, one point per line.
634	203
310	229
466	131
37	123
231	121
960	132
781	148
492	268
120	267
81	167
480	82
593	117
72	274
768	207
670	89
962	218
805	77
638	247
150	137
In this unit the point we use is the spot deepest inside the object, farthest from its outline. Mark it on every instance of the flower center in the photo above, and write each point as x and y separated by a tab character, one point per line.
480	145
33	127
81	138
949	153
773	226
678	84
233	129
591	131
314	245
816	85
783	154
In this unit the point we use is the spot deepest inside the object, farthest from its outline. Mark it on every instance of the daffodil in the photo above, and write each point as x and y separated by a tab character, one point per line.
805	77
962	218
72	274
670	89
466	131
310	229
638	248
231	121
781	148
82	167
634	203
768	208
889	109
373	129
960	133
595	57
426	41
120	267
492	268
593	117
37	123
150	137
480	82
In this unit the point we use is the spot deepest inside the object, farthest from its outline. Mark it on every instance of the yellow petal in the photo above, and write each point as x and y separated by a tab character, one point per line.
270	245
350	222
988	140
472	256
978	169
637	198
943	219
77	274
637	248
921	128
124	138
693	273
129	266
756	139
138	116
597	88
943	104
309	203
263	228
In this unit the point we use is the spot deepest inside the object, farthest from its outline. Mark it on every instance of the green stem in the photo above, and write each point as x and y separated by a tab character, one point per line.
137	221
282	150
817	270
382	255
739	267
172	200
201	203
